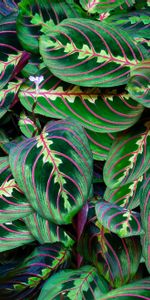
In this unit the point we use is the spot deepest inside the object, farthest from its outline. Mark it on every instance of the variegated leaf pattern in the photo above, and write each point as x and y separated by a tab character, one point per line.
109	111
117	259
3	140
34	16
119	220
12	58
100	143
139	83
8	94
137	24
84	283
8	7
127	196
90	53
24	280
129	157
27	126
14	235
45	231
62	153
145	217
97	6
13	204
133	291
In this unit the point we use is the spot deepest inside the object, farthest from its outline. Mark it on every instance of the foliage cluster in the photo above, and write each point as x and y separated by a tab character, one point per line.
74	150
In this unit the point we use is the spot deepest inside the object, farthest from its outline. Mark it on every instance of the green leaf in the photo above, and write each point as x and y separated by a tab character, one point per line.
127	196
63	155
36	267
119	220
107	111
12	58
100	5
139	83
13	204
145	218
38	16
27	126
45	231
100	143
8	94
117	259
83	283
135	290
90	53
14	235
129	157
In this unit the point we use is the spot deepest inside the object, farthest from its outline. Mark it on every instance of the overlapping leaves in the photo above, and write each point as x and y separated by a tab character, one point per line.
84	283
107	111
25	279
90	53
117	259
62	152
35	16
129	157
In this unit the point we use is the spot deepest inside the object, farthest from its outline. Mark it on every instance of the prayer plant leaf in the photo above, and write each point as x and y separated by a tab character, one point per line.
13	204
129	157
25	279
127	196
8	7
14	235
107	111
136	290
38	16
84	283
100	143
92	6
27	126
90	53
139	83
12	58
119	220
63	155
145	218
45	231
117	259
8	94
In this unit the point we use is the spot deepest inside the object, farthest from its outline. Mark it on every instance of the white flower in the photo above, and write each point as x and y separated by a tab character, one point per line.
37	80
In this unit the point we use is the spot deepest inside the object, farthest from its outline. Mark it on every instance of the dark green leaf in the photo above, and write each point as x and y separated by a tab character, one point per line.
90	53
83	283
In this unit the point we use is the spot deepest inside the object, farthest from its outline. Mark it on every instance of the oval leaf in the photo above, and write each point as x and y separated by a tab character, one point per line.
62	153
90	53
129	157
109	111
119	220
